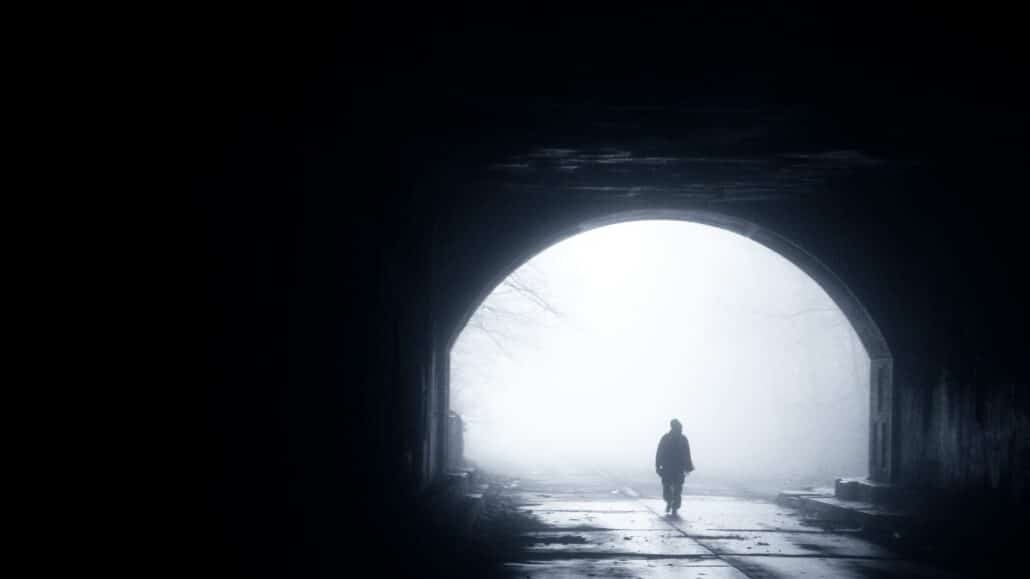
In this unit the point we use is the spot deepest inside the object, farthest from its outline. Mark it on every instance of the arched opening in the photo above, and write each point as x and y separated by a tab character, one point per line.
872	369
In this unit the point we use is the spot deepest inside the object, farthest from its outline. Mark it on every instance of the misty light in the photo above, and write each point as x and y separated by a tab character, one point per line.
587	351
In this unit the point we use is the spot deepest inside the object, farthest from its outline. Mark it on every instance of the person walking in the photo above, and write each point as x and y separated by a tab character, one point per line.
672	463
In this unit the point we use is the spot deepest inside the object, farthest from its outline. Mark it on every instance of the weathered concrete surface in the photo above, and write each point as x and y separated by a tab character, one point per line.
590	525
644	568
348	206
793	498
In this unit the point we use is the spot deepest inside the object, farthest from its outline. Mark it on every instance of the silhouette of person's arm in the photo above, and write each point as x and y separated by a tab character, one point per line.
688	464
658	458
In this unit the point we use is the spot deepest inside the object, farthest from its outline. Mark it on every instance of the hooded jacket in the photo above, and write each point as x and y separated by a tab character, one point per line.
673	456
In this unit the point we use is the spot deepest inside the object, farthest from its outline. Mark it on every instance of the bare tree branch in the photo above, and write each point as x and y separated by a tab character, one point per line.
516	303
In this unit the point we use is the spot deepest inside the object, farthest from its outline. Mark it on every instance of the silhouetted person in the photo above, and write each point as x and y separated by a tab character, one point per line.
672	463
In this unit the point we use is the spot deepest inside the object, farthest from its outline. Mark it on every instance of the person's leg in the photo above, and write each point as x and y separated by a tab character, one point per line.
677	493
667	493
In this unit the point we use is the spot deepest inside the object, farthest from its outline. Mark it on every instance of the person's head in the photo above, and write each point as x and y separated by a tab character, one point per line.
676	426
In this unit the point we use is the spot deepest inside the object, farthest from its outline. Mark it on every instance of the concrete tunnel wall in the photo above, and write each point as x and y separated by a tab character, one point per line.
328	341
335	272
951	435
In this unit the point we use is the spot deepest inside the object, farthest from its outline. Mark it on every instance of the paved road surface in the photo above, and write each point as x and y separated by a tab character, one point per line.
595	526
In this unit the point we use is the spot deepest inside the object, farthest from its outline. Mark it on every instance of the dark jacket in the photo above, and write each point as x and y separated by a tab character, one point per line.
673	456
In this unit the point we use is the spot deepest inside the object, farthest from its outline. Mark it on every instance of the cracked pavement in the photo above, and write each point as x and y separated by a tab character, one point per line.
592	525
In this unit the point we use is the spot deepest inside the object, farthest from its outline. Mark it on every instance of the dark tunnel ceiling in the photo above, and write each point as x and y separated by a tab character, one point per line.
698	102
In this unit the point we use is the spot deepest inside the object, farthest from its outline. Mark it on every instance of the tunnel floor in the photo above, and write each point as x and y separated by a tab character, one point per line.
595	525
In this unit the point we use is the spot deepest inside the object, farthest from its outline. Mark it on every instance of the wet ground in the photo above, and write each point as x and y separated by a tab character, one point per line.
594	525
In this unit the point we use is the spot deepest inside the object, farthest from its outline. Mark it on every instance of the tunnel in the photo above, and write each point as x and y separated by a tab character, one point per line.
359	187
491	333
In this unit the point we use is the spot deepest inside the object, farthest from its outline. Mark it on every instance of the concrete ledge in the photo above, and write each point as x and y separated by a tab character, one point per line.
865	490
456	504
864	514
956	531
470	509
828	505
792	498
456	483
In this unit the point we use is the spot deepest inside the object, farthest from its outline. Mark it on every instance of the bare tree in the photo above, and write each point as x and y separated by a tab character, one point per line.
506	321
518	304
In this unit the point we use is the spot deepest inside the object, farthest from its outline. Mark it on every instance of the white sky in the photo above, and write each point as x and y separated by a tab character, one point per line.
664	319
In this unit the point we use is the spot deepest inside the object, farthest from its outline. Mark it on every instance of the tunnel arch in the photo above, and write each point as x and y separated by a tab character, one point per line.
881	406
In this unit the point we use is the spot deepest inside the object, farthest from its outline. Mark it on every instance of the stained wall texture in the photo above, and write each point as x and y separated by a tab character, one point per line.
360	183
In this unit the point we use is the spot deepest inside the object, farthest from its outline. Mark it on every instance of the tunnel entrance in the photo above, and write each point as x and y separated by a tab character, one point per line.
815	373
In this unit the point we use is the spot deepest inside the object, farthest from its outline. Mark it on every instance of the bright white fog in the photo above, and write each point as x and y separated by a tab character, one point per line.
584	355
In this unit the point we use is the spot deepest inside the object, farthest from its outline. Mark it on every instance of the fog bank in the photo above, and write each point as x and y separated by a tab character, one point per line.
589	350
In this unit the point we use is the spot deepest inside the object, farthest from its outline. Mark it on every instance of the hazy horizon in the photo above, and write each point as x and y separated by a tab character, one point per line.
663	319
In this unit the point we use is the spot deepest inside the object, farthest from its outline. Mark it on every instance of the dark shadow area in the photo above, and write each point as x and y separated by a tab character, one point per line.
358	180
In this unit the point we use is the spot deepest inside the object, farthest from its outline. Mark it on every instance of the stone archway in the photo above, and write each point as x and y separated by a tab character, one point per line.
881	401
